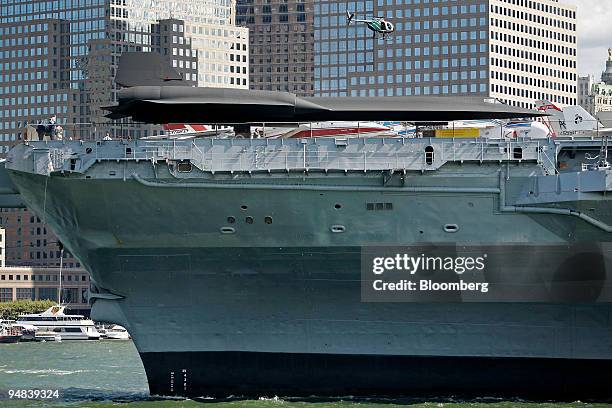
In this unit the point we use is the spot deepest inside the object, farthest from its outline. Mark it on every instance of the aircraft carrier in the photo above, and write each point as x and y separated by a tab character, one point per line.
235	264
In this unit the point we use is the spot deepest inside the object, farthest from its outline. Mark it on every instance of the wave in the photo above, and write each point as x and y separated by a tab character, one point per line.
47	371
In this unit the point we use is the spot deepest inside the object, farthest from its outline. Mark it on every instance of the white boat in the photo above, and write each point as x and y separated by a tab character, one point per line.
116	332
69	327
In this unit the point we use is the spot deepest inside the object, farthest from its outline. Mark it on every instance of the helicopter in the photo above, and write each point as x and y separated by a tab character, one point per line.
378	25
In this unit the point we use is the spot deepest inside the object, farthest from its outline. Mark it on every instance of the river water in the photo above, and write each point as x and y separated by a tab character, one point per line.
109	374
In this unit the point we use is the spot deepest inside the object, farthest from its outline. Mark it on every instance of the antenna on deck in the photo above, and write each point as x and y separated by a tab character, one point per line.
603	161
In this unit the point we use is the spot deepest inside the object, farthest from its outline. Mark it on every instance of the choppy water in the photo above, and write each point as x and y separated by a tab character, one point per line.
103	374
82	370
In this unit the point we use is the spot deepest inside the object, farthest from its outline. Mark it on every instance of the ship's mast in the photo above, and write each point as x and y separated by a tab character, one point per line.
605	147
60	273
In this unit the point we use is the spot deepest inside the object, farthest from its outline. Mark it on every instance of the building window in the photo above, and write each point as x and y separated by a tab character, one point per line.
70	295
6	294
25	294
47	294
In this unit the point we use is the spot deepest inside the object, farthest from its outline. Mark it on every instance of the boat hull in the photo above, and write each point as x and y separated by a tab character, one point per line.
117	336
296	325
276	308
221	374
10	339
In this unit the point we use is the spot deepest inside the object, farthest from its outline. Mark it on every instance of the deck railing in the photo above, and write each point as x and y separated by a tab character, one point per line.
244	155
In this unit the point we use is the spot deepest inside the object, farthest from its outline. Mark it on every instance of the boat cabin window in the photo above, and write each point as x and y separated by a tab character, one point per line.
30	319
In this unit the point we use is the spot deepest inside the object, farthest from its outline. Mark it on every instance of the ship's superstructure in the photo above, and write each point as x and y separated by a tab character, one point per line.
235	263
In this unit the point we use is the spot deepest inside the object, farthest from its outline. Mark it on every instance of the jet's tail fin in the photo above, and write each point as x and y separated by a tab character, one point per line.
556	117
146	68
568	119
349	17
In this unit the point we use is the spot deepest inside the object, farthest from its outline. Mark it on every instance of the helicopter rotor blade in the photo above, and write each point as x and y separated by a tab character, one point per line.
349	17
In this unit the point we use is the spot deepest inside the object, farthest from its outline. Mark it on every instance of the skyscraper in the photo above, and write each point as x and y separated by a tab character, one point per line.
59	58
533	51
281	44
514	50
75	45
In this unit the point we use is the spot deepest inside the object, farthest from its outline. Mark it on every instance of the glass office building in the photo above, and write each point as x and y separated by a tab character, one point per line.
74	45
515	50
281	44
436	49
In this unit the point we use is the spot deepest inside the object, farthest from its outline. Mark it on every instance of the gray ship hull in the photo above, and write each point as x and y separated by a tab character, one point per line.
222	374
221	324
219	301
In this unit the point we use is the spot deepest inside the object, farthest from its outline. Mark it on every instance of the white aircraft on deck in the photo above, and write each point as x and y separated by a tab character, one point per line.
571	120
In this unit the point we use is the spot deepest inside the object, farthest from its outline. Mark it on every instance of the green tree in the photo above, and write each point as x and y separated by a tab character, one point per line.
10	310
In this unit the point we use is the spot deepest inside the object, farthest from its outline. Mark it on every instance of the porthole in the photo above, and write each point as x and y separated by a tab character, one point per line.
88	150
227	230
248	220
231	220
338	206
429	155
337	229
243	207
451	228
268	220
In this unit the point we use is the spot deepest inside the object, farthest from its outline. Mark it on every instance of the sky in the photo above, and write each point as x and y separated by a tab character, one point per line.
594	34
